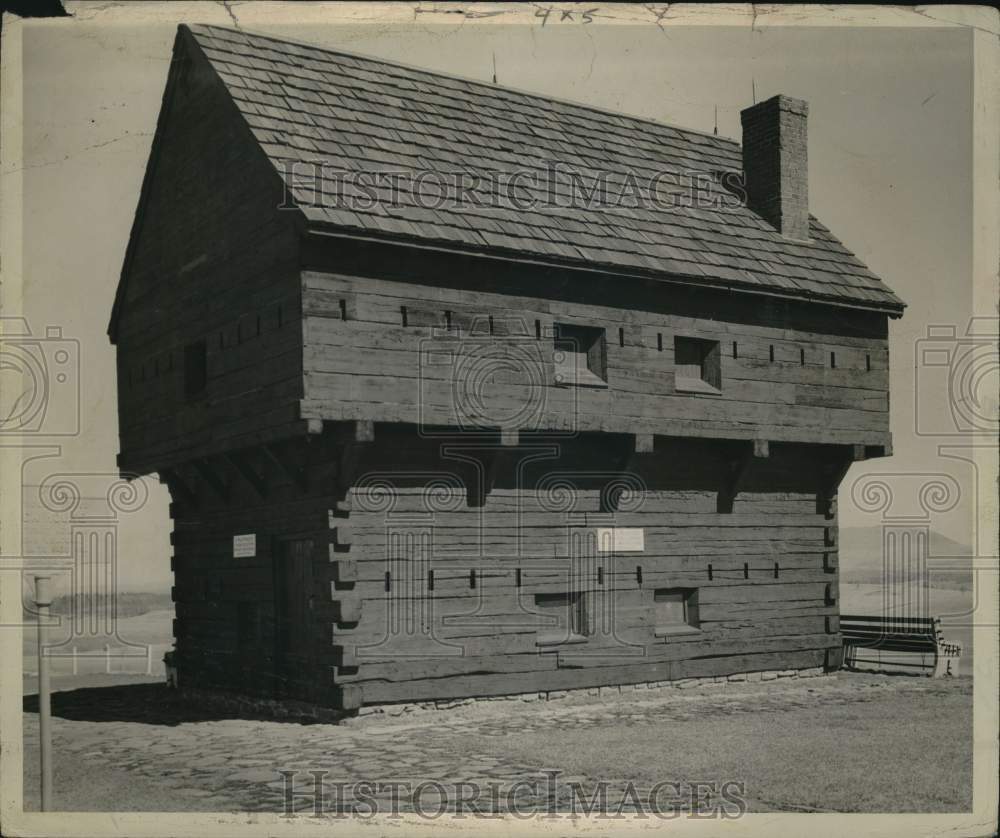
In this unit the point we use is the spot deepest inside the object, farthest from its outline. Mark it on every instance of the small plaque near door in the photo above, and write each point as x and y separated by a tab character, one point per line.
620	540
244	546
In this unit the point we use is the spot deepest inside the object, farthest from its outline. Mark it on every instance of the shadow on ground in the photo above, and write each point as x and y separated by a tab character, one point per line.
151	704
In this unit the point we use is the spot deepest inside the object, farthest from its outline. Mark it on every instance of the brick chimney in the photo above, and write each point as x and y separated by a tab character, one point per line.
775	163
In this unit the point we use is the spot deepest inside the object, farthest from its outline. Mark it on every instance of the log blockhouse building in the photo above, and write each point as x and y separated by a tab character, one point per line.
424	445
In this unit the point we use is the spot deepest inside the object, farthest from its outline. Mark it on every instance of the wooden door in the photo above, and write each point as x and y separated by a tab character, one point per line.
293	607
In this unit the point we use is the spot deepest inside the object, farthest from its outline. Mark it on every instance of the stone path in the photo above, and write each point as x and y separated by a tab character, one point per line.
235	764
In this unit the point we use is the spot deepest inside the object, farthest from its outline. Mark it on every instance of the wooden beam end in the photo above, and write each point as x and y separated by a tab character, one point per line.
364	430
348	696
644	443
347	610
343	656
344	571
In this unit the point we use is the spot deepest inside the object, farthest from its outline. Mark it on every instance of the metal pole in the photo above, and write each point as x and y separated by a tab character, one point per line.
43	599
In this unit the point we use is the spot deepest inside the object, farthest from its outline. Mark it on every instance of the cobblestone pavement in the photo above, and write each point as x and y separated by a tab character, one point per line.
226	764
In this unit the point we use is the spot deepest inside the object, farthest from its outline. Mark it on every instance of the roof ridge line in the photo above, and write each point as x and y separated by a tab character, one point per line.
477	82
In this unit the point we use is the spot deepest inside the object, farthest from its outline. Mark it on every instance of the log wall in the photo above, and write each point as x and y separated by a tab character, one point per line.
396	351
417	594
212	259
226	608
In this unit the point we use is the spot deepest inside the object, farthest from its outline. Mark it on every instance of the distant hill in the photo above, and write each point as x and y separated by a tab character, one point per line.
861	558
127	604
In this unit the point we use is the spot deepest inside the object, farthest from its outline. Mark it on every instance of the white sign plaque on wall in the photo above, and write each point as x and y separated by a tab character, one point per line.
620	540
244	546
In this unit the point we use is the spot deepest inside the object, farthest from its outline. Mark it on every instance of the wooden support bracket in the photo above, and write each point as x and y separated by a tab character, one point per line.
293	467
609	501
832	474
245	469
179	487
350	460
361	435
206	471
493	462
321	459
737	467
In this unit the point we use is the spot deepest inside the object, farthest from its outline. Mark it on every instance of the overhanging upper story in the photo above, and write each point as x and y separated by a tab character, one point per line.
289	265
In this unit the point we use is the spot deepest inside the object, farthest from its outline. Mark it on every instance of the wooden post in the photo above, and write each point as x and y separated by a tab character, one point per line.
43	599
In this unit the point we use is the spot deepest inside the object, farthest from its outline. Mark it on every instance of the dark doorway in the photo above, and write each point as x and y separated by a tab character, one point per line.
293	609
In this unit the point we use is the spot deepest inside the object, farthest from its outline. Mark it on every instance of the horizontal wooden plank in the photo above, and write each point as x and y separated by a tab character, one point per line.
371	365
575	678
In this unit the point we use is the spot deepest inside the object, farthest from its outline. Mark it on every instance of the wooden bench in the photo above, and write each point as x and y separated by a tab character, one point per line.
895	635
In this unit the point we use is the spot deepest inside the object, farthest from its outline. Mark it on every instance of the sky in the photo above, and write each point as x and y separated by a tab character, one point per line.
890	139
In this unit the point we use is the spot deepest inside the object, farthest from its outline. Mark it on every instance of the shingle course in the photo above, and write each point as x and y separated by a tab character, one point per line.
351	113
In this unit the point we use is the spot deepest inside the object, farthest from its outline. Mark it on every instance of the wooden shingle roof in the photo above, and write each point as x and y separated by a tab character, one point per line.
324	116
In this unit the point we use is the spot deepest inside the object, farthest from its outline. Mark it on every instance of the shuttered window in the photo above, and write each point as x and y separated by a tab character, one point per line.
676	610
697	365
563	617
580	356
